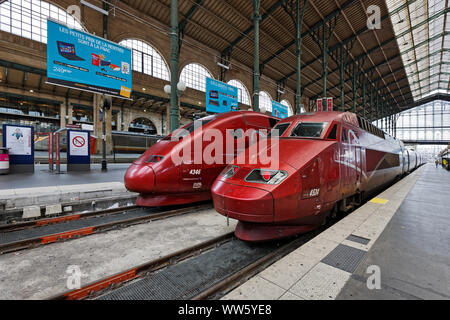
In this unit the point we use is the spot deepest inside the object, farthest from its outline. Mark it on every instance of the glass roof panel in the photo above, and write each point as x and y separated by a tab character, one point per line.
422	28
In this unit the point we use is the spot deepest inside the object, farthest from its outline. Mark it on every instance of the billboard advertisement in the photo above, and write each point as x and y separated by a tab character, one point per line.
79	60
279	110
220	97
20	142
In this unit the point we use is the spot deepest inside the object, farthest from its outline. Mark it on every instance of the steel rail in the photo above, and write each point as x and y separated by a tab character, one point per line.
99	287
51	238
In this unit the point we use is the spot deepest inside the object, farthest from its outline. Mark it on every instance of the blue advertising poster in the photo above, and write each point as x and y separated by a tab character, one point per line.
220	97
279	110
20	142
82	61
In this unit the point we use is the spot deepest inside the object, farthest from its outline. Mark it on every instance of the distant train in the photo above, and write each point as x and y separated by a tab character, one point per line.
162	182
328	162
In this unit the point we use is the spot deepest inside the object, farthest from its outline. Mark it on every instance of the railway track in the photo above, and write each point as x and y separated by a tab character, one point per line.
205	271
19	236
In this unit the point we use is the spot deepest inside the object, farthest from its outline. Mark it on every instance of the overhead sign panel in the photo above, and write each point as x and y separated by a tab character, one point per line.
220	97
82	61
279	110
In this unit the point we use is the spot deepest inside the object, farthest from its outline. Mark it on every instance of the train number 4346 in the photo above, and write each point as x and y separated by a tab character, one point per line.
195	172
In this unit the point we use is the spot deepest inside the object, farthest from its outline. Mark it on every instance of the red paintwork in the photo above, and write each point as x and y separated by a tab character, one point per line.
337	169
164	183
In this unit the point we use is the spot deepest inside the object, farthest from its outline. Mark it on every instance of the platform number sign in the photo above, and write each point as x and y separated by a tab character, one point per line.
325	104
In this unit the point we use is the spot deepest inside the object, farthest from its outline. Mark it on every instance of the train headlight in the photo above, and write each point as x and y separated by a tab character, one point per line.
154	159
230	171
266	176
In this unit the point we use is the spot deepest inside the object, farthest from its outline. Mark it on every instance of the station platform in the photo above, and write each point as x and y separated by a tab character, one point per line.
400	238
30	191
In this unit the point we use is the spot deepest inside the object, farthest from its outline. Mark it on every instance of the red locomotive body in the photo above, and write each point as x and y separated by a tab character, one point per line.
327	161
161	182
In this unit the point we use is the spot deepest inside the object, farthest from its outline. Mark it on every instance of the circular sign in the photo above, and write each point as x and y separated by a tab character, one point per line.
78	142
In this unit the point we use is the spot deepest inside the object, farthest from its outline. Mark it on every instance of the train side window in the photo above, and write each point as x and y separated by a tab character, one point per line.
333	133
344	134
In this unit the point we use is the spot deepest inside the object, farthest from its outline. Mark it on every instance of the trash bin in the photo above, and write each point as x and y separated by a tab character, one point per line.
4	161
93	142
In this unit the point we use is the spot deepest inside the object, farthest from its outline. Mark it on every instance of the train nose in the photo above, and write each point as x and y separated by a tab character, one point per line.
140	178
242	202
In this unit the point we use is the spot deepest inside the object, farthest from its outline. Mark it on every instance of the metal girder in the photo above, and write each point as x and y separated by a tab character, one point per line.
189	15
297	13
431	83
21	67
331	16
246	32
428	56
183	23
338	46
29	98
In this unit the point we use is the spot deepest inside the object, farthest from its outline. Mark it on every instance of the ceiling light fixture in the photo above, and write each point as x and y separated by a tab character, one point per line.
223	65
90	5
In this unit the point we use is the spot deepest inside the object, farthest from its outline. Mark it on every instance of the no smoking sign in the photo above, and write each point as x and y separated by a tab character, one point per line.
79	145
79	142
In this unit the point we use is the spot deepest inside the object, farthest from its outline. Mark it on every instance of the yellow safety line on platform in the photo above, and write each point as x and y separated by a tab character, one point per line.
379	201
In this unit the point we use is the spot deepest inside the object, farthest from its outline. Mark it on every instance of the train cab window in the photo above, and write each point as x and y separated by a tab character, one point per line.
273	122
333	133
309	129
189	128
344	135
279	130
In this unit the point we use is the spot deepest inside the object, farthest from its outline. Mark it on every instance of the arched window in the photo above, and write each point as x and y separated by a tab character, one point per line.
28	18
146	59
243	95
194	76
288	105
265	101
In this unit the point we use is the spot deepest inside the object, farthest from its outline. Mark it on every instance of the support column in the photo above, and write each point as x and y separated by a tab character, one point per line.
174	59
354	88
364	98
298	41
324	64
342	76
70	114
371	104
256	74
378	108
62	115
97	123
109	141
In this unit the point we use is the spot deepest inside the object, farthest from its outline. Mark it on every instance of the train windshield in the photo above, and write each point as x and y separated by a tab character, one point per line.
279	130
308	129
189	128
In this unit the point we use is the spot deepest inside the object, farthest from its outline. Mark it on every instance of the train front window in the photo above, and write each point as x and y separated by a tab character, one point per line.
308	130
189	128
279	130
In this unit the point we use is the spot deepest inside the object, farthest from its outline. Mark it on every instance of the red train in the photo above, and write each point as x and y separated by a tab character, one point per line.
161	182
328	161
